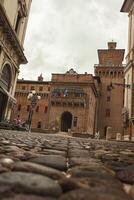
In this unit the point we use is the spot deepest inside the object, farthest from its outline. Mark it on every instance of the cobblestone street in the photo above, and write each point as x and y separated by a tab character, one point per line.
37	166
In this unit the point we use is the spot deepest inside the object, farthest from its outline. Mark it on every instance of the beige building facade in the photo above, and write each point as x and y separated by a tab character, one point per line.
128	112
13	22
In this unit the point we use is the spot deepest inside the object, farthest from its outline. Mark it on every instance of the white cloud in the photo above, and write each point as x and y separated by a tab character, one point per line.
67	33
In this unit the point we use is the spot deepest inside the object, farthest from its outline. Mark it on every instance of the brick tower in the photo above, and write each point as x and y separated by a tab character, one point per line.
111	72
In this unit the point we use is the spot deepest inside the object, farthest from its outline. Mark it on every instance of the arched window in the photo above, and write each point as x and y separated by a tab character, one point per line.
6	77
107	73
99	73
115	73
103	73
111	73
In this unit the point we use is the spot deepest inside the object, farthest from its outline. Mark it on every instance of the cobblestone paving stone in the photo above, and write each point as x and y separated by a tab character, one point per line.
36	166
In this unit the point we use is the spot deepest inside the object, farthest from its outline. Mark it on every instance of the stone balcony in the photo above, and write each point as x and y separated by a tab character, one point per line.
69	101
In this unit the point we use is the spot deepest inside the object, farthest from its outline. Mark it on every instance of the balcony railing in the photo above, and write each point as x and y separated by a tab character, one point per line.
69	103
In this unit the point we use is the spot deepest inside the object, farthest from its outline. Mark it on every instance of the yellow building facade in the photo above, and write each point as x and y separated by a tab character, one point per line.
13	22
128	111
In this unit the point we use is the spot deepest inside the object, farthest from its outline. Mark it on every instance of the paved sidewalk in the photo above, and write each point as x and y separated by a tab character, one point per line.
36	166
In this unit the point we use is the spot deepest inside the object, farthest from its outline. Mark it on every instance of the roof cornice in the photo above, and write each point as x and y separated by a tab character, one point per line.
127	5
11	35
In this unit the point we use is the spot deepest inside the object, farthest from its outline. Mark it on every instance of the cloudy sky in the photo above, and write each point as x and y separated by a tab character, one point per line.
64	34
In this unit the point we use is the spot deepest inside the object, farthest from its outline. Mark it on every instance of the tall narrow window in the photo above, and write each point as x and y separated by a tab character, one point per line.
40	88
46	108
19	107
39	124
18	21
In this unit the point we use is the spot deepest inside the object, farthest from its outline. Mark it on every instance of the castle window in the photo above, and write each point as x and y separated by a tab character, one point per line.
107	112
46	108
115	73
69	104
32	88
39	124
52	103
48	88
75	121
58	103
82	105
40	88
19	107
23	87
111	73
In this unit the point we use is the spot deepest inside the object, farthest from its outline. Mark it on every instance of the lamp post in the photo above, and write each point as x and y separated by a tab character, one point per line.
33	98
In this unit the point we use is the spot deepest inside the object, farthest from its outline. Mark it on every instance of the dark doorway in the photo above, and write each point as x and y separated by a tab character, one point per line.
3	103
105	131
66	121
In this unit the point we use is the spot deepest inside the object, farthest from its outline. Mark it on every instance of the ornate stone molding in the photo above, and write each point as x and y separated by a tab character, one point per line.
127	6
22	8
71	72
8	50
9	39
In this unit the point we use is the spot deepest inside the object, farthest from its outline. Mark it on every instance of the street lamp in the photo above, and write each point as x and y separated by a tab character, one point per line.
33	98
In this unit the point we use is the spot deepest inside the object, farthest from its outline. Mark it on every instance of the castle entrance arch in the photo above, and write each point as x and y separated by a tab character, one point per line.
66	121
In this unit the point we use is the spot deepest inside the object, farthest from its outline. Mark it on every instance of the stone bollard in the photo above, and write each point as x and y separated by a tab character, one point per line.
109	133
69	130
118	136
126	137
